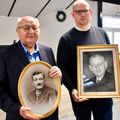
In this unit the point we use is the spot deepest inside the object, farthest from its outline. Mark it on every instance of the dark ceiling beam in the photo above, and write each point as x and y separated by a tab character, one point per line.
112	1
43	8
11	8
100	13
70	4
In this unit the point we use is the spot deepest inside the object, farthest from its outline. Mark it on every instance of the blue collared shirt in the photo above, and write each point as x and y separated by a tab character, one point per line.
35	56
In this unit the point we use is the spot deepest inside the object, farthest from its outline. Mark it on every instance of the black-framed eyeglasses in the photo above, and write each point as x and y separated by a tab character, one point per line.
27	28
80	12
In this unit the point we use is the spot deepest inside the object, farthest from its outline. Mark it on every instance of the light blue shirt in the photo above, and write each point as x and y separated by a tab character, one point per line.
35	56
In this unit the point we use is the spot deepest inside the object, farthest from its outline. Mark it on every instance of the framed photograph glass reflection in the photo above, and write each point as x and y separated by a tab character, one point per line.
98	71
37	90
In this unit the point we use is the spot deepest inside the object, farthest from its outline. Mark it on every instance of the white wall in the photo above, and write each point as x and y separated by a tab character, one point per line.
51	29
7	30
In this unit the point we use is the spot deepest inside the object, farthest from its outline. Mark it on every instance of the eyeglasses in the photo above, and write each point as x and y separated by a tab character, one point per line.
98	65
27	28
80	12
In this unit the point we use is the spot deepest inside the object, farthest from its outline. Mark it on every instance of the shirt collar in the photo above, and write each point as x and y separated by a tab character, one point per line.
99	78
79	29
36	48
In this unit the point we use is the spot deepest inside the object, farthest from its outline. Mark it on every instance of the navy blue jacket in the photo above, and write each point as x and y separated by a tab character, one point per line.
12	61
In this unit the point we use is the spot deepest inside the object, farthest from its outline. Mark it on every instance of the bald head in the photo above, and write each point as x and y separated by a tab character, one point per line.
81	3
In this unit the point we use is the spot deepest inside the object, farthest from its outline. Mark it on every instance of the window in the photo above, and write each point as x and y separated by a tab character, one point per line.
112	26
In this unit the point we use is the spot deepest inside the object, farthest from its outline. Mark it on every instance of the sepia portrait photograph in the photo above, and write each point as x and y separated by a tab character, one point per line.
37	90
98	71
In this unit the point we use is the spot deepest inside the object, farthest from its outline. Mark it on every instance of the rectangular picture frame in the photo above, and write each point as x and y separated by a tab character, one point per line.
98	61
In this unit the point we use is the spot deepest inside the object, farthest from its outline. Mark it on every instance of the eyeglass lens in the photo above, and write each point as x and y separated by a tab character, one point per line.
27	27
80	12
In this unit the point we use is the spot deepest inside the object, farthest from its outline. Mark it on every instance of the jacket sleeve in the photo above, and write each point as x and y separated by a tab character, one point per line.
106	37
7	104
63	63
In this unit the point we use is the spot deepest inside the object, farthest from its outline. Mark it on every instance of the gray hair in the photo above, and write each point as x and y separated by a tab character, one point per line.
22	18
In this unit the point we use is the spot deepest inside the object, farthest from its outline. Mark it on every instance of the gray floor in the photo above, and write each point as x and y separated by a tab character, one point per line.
65	109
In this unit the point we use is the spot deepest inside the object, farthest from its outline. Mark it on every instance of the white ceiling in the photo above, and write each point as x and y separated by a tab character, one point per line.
35	7
111	9
31	7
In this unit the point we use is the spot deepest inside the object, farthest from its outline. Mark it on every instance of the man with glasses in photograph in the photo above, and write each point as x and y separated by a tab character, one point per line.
103	81
82	34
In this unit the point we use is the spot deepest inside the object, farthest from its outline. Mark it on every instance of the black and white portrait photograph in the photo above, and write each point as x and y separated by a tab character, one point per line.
37	90
101	68
98	68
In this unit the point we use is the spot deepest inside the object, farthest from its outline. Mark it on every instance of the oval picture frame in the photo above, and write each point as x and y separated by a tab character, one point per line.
41	106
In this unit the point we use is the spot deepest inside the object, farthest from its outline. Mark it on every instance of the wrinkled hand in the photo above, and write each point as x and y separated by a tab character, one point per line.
25	113
55	72
76	97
